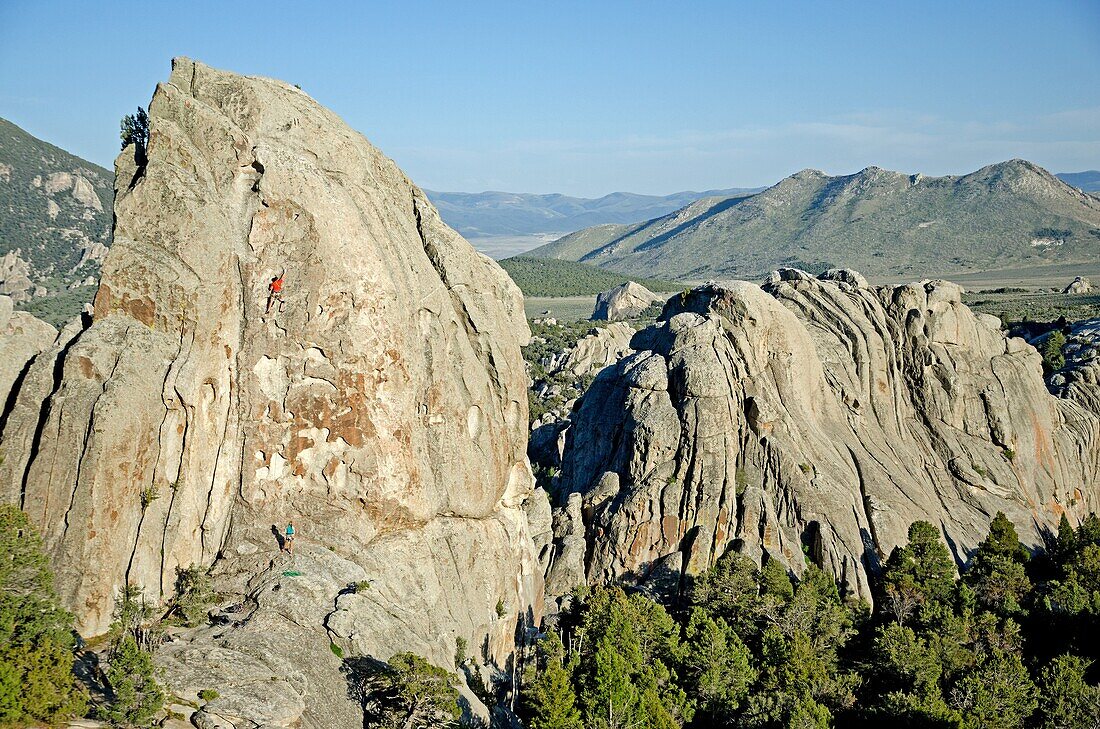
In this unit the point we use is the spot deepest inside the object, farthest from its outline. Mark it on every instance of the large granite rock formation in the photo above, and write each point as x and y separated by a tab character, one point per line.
626	300
814	418
381	405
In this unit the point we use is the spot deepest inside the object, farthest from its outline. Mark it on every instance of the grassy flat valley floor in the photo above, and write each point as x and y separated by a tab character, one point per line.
1033	294
1050	276
1028	293
564	308
1016	306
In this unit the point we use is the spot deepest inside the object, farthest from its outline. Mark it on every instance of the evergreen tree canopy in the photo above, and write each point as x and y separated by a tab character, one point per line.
1008	646
36	636
405	693
550	698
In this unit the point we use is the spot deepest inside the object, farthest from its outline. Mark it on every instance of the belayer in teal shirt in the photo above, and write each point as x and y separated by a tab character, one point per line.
288	543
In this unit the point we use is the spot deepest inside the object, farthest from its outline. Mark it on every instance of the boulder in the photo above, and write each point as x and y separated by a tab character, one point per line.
815	419
15	281
380	404
22	338
602	346
846	276
1079	285
626	300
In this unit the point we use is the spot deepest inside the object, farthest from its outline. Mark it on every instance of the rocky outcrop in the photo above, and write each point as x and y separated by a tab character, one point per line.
1079	379
601	347
1079	285
626	300
15	282
814	419
569	372
381	404
22	338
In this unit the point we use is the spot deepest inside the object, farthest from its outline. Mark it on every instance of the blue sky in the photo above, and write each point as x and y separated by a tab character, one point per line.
589	97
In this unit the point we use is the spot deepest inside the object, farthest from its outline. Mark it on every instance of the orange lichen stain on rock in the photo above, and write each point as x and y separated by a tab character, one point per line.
87	369
720	529
768	538
1043	453
390	516
402	436
435	399
142	309
101	305
296	445
670	526
330	468
345	415
228	352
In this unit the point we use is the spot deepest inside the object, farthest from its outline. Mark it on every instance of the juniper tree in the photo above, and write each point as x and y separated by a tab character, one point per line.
36	636
550	700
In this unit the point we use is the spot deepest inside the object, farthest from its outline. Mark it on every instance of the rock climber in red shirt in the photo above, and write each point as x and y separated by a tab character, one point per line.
275	292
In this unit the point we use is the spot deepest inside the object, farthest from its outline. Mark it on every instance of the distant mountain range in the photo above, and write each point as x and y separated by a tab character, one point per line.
482	214
485	214
882	223
55	225
1089	181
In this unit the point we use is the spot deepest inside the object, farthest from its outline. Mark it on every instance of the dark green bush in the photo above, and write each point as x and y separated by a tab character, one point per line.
1051	349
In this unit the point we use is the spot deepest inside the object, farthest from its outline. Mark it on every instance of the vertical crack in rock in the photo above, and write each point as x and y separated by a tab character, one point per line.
157	467
9	401
868	516
40	425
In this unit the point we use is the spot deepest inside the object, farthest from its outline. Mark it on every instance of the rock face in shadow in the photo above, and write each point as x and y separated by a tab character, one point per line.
814	419
1079	380
380	404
